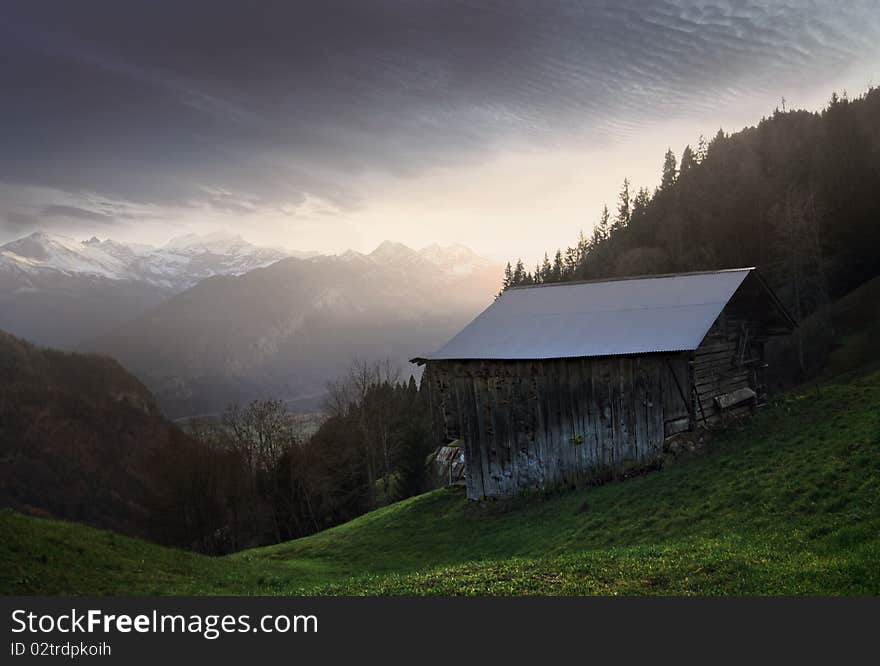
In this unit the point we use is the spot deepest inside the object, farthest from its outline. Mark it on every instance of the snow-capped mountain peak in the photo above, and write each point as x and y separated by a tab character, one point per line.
187	259
61	291
451	259
454	258
217	242
176	266
43	251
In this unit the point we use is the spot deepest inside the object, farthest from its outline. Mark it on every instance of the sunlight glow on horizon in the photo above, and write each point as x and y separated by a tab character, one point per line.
520	202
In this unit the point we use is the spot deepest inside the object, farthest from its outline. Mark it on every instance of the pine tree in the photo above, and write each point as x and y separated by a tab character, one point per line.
557	267
507	283
600	233
572	259
624	208
640	203
583	251
412	435
519	274
688	161
702	148
545	269
670	171
583	246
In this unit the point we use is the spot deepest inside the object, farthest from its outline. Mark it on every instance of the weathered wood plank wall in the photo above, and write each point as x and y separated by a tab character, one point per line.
529	425
731	357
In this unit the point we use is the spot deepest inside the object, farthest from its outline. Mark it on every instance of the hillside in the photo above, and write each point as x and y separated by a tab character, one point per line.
787	504
81	439
855	319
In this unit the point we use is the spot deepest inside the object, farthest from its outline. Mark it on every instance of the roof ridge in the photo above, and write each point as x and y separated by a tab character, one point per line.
632	277
630	309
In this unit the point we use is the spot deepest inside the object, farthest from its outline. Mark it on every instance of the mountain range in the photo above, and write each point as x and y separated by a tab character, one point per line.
59	292
285	330
205	321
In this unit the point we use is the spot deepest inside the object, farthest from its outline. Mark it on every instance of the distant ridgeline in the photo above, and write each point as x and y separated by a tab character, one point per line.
797	196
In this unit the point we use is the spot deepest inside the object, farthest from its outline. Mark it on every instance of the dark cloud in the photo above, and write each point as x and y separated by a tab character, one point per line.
16	221
57	217
75	213
160	102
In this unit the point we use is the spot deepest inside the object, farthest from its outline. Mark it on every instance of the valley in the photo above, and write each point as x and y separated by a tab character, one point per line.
206	321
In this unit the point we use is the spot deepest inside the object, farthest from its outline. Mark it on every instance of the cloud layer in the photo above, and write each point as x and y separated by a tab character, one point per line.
236	106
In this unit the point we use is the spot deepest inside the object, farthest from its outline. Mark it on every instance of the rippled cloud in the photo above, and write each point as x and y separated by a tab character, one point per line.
245	107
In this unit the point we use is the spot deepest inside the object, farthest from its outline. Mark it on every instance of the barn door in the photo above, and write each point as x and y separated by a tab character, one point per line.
678	413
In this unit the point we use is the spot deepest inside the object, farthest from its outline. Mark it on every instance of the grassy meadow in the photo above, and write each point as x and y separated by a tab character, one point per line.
788	503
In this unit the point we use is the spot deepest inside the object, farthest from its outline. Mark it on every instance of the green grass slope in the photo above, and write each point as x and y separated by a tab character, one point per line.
787	504
855	319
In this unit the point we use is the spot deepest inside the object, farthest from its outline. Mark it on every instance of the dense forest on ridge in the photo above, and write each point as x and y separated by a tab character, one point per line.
797	196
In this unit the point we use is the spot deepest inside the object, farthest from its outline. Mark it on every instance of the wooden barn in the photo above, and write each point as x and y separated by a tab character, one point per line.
580	381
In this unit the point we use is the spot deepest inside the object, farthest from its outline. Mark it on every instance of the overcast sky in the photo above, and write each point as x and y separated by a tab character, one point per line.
334	125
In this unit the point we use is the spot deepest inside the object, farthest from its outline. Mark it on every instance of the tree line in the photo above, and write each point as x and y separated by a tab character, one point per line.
254	477
797	196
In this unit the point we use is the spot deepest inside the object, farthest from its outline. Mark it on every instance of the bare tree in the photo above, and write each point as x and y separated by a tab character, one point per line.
364	393
261	433
801	259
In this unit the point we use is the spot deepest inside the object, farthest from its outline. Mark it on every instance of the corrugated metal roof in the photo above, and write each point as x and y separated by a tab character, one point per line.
602	318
